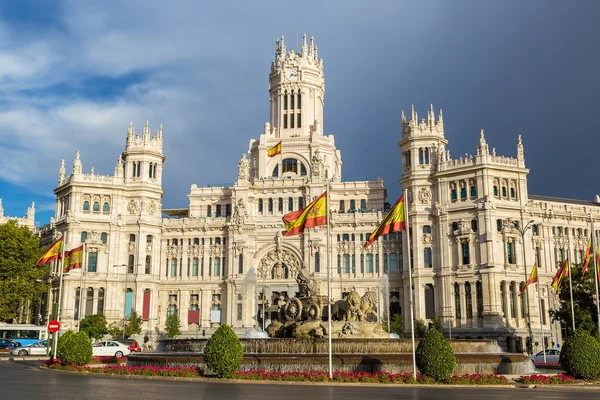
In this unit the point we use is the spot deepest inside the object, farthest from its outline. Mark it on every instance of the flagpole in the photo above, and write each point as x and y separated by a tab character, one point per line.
594	244
329	350
412	322
80	292
541	311
60	285
571	290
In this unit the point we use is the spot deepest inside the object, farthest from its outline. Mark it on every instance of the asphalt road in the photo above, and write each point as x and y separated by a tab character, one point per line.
24	380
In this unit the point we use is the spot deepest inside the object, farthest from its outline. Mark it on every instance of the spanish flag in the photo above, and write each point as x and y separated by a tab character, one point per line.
273	151
314	214
533	278
586	258
73	259
54	252
393	222
562	272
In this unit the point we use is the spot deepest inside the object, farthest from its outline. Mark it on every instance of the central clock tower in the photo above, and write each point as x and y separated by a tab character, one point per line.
296	90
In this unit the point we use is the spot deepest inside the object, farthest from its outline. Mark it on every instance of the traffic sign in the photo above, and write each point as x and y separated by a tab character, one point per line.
53	326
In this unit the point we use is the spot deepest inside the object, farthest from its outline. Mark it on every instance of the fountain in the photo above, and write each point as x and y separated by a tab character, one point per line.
384	292
298	340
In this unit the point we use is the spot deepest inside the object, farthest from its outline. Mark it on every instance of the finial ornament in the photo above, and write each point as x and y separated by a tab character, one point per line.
520	150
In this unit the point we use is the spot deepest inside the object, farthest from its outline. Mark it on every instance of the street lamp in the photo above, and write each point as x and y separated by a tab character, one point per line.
125	306
522	229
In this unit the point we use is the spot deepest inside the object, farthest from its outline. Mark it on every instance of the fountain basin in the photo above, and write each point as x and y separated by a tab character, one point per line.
513	364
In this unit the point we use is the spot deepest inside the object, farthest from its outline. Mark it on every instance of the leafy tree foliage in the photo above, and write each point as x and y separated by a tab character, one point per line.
172	326
133	324
94	326
584	292
420	328
21	283
580	355
223	352
437	324
115	330
74	348
435	356
396	325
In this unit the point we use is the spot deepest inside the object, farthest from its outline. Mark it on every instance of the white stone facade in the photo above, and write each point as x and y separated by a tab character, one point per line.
467	252
28	220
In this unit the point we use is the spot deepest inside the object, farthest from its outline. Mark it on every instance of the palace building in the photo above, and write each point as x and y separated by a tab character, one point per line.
223	258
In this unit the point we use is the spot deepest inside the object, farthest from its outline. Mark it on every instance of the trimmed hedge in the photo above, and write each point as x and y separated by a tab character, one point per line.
223	352
74	348
580	355
435	356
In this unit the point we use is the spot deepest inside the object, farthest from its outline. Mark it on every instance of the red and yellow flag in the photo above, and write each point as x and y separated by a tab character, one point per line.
74	259
314	214
587	257
54	252
394	221
533	278
562	272
273	151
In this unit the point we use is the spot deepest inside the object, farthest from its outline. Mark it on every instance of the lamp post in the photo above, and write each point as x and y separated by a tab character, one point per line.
522	230
125	305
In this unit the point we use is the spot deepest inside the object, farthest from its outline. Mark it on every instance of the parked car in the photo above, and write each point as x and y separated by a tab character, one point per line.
131	345
36	349
110	348
8	344
552	357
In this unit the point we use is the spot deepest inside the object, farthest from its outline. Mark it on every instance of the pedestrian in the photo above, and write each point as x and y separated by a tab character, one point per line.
146	342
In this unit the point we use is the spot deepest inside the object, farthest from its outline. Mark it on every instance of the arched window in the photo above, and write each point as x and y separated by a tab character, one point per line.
454	194
104	237
301	202
479	292
421	157
218	213
131	264
427	257
512	193
275	173
302	170
83	237
96	206
148	264
495	190
468	300
289	165
105	207
86	206
426	155
457	301
503	191
100	306
473	191
463	192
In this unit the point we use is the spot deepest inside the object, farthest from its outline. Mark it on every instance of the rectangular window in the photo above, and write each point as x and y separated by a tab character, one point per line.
511	299
89	302
131	264
317	262
292	97
147	268
393	262
301	202
370	263
385	263
457	301
479	288
228	210
292	120
128	302
299	120
473	191
510	253
290	204
466	259
280	205
100	306
239	311
195	263
453	195
146	305
474	225
92	261
285	119
463	193
427	257
173	267
468	300
217	266
240	264
346	263
218	214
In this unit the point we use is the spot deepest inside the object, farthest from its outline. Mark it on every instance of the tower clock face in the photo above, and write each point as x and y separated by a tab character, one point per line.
292	74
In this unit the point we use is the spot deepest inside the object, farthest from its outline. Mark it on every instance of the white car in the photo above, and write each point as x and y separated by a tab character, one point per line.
110	349
36	349
552	357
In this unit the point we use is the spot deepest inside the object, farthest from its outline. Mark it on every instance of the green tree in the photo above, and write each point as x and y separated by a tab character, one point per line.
223	352
114	330
396	325
94	326
74	348
133	324
435	356
437	324
420	328
584	292
580	355
172	326
21	284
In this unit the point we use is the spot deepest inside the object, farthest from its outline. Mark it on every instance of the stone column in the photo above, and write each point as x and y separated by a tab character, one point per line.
463	304
517	301
184	301
506	309
475	320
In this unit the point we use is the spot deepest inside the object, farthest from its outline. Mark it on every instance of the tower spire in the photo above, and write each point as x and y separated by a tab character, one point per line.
304	46
520	150
77	168
61	172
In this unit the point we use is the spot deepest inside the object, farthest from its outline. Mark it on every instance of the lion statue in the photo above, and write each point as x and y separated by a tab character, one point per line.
359	308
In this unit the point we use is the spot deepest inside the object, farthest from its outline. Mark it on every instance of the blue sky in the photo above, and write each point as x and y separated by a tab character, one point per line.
73	74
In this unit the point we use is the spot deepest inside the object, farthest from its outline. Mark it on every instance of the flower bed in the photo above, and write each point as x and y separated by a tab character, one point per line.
180	372
546	380
107	360
310	376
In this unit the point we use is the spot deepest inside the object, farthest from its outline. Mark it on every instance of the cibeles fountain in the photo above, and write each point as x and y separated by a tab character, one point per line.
306	316
298	339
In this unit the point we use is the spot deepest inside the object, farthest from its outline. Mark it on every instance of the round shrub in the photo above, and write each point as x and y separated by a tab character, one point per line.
223	352
580	355
435	357
74	348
